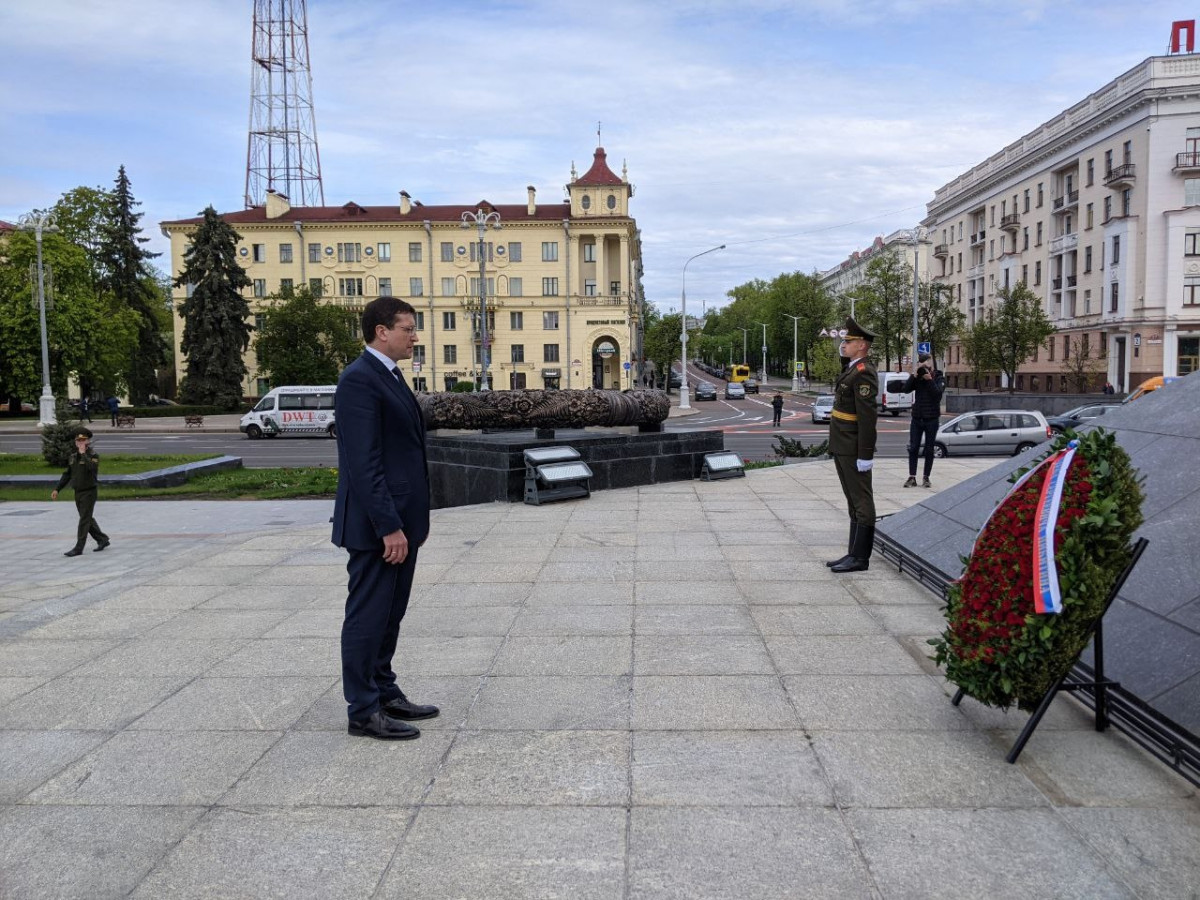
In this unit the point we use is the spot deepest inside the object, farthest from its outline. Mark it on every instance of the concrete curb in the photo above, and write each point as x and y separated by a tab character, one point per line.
169	477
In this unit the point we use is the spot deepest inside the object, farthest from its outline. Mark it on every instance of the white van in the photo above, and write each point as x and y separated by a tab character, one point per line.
891	400
292	410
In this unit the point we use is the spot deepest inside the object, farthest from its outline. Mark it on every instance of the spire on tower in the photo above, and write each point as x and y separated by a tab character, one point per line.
281	152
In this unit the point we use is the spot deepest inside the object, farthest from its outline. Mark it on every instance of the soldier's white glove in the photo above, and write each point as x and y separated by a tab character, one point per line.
864	465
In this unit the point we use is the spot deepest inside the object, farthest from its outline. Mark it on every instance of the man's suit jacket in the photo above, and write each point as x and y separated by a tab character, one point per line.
383	483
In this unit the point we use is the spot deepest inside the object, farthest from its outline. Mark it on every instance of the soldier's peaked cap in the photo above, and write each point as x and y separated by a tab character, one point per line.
854	330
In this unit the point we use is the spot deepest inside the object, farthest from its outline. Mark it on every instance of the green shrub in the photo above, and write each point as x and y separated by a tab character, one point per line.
58	440
463	387
160	412
787	448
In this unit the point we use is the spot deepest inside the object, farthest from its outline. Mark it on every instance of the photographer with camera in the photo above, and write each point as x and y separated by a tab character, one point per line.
926	385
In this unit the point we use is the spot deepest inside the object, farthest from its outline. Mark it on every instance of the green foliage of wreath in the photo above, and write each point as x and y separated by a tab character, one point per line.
996	647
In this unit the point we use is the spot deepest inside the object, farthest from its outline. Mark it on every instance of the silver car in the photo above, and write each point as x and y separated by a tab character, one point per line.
1001	431
735	391
822	408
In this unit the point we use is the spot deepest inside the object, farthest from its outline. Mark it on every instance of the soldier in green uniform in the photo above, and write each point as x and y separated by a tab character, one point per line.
852	444
83	474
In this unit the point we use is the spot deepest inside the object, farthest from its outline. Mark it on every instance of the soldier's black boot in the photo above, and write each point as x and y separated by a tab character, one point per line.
849	548
860	560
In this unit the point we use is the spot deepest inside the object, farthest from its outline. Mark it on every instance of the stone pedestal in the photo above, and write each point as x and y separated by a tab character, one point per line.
467	468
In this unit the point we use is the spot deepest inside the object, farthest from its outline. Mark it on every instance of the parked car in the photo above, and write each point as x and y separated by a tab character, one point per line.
705	391
751	385
1002	431
1080	415
735	390
822	408
25	407
674	379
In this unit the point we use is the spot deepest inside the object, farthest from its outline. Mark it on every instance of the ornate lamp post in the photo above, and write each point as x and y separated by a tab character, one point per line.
683	383
482	220
37	223
744	331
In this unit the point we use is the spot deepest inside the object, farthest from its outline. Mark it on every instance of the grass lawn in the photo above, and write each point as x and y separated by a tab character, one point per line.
238	484
114	464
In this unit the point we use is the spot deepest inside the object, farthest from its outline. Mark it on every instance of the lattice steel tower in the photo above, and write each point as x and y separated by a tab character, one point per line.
281	152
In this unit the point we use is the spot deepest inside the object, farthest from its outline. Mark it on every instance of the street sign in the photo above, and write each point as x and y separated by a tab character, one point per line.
416	367
626	366
800	366
924	347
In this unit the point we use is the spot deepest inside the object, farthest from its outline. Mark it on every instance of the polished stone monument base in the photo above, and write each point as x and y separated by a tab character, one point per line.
467	468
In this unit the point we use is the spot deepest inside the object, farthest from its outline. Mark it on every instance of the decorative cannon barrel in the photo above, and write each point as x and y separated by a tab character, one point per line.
542	409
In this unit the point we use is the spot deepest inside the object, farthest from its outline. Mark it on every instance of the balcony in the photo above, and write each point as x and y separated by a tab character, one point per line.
1188	162
941	251
1119	177
1071	281
1067	201
1056	284
977	238
1064	243
1011	222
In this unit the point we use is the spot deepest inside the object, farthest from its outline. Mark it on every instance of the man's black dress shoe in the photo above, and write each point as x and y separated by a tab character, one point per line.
403	708
73	553
383	727
102	546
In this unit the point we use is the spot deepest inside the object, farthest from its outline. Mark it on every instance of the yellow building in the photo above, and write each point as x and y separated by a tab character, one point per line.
563	280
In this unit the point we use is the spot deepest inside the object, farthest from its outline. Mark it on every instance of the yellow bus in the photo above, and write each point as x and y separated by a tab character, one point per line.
738	372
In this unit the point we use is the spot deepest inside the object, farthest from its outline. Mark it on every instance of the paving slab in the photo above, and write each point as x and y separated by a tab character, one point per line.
284	854
51	852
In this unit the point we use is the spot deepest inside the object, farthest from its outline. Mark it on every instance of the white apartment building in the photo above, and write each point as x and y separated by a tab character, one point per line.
850	272
1098	212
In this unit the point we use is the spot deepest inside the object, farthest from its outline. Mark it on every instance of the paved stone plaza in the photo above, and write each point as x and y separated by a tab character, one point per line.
658	692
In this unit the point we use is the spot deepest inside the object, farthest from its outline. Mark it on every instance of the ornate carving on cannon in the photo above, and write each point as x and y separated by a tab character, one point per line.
544	410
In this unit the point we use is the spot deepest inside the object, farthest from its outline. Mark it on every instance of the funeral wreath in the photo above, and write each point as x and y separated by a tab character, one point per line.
1035	582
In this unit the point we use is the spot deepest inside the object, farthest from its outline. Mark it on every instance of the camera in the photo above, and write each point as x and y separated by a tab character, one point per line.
922	371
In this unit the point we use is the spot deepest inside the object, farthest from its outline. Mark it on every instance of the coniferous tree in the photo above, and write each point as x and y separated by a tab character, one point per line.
215	327
125	275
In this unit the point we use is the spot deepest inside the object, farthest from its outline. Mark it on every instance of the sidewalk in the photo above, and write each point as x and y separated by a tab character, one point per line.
227	423
657	692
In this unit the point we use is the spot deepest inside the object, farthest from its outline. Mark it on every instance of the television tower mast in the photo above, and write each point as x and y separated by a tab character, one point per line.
281	152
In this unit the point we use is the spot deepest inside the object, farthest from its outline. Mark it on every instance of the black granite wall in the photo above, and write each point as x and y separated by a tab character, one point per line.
483	468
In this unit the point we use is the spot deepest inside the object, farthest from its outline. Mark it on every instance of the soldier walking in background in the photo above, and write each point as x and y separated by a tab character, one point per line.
777	408
83	474
852	444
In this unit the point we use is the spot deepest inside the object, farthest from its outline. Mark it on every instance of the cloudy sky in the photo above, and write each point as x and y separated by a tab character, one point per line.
793	131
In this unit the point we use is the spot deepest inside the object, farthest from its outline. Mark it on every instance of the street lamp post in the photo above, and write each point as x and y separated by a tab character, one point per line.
795	370
763	373
482	220
744	331
683	383
915	236
37	223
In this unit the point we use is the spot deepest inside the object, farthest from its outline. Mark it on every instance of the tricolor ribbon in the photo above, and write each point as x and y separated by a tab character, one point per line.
1047	597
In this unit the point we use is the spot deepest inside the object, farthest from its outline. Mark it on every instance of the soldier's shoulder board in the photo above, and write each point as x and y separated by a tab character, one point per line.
862	367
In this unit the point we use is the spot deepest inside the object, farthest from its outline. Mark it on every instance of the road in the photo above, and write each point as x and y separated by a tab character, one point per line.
745	423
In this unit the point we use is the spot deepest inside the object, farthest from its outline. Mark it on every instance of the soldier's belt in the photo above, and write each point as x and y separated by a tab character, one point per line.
844	416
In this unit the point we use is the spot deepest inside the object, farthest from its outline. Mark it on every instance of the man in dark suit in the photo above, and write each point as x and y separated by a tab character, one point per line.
381	517
852	444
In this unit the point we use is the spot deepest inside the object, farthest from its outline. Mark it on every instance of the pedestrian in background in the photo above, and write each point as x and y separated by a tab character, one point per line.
85	409
777	408
926	385
83	474
113	406
852	436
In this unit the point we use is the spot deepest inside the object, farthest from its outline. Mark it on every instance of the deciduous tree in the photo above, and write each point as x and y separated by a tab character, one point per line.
303	341
1017	325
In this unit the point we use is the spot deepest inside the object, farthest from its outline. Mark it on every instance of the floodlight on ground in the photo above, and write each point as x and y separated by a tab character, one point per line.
555	473
726	464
